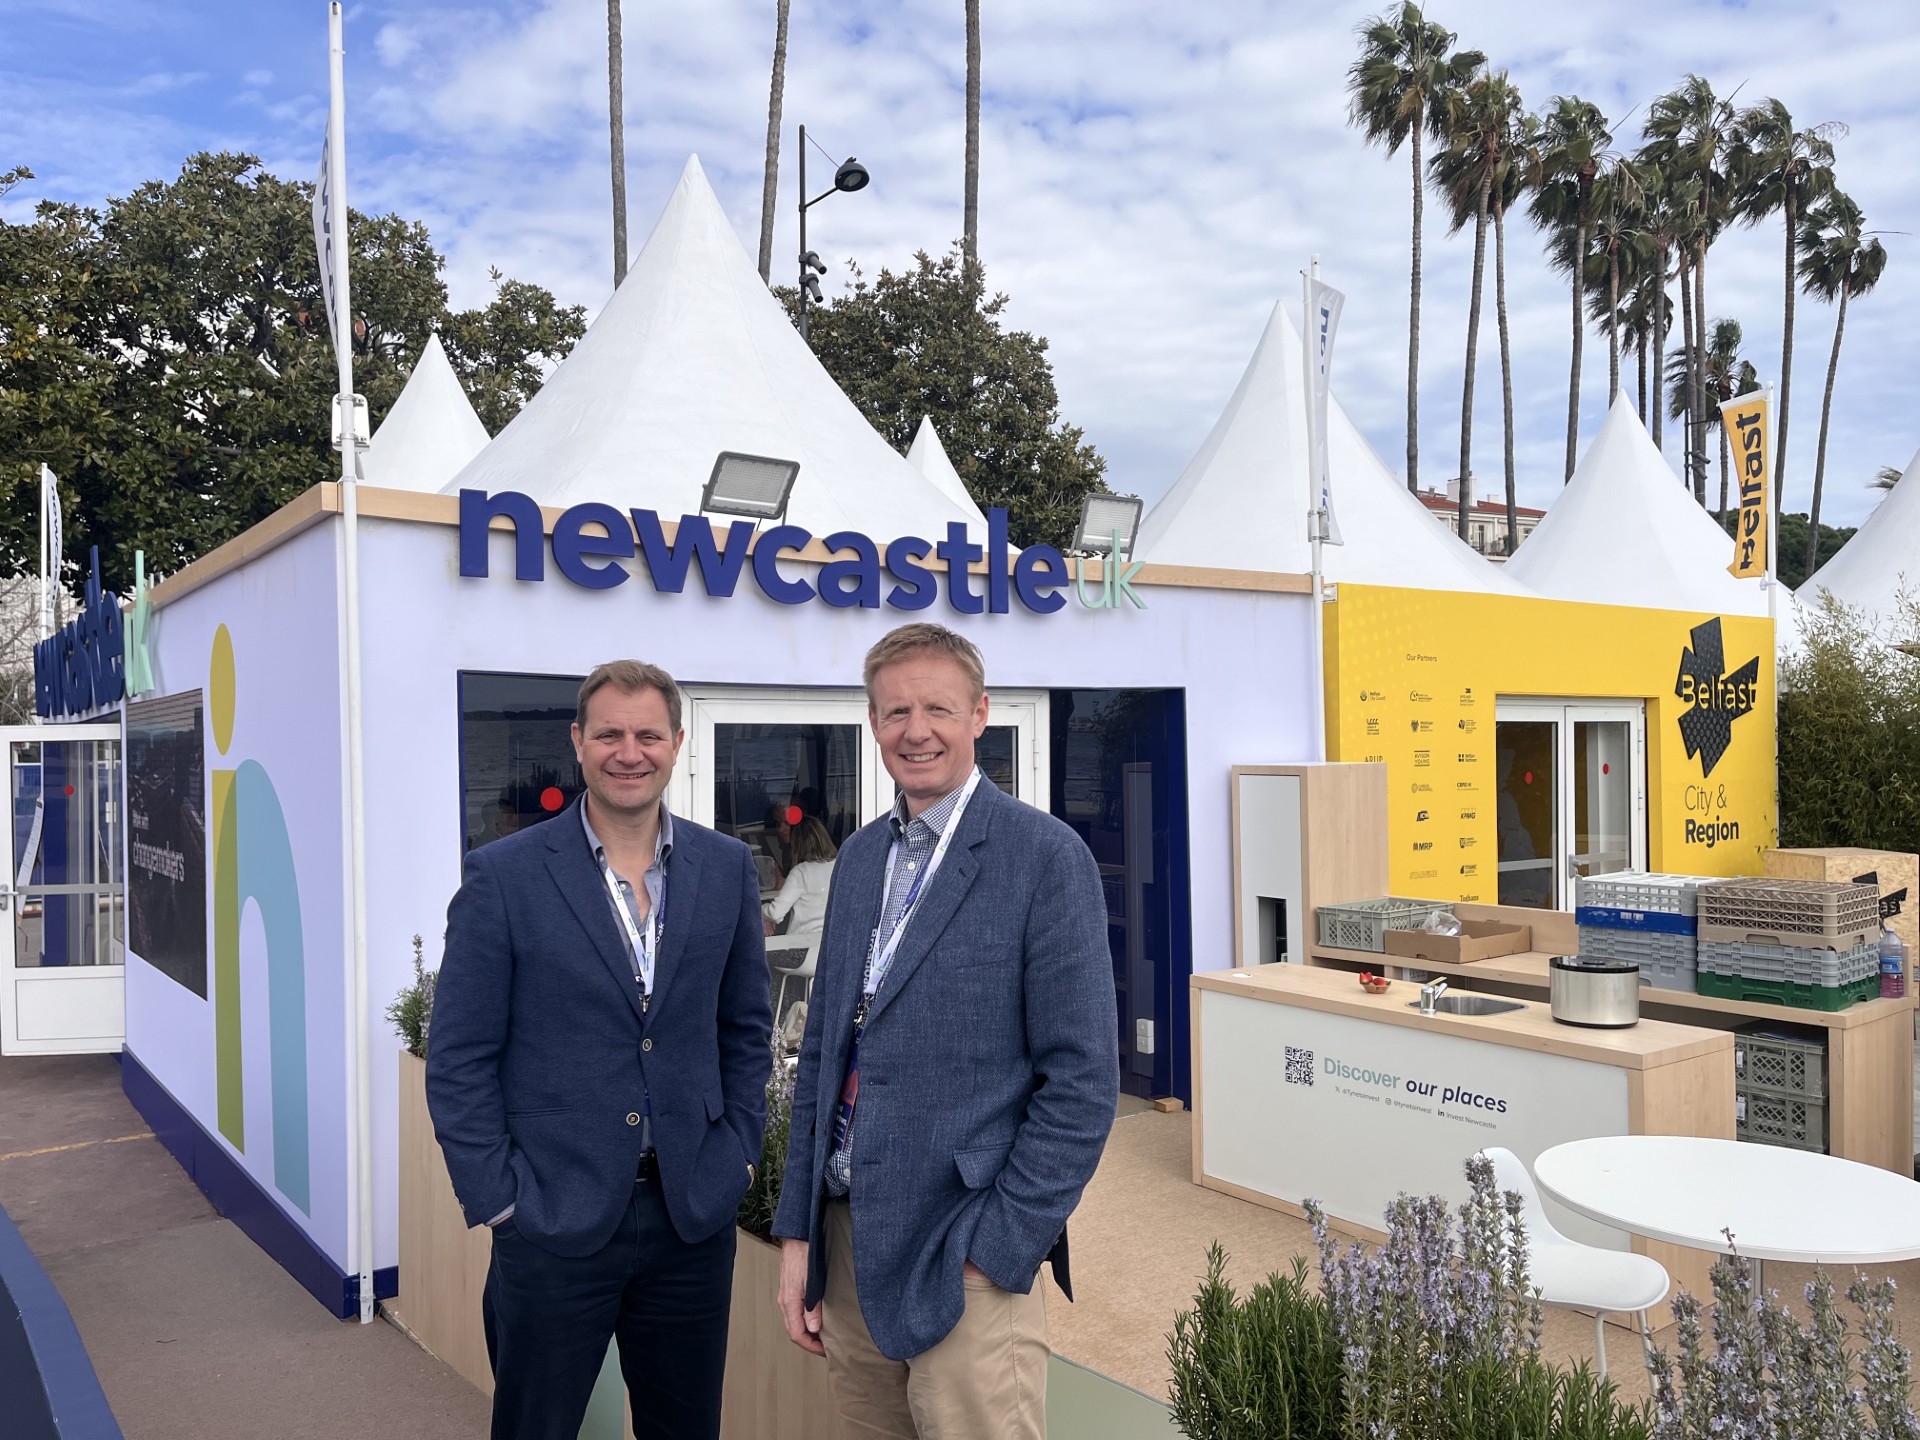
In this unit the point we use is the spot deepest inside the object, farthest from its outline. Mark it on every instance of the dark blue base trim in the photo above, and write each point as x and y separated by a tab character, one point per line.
243	1200
47	1382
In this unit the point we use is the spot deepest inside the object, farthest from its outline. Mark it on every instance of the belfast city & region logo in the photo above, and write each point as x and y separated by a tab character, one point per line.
1713	698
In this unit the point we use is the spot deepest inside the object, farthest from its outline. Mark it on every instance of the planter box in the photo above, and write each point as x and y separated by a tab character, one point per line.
774	1390
1477	940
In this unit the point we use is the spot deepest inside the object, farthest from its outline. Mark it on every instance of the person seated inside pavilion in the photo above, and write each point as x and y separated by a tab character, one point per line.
802	900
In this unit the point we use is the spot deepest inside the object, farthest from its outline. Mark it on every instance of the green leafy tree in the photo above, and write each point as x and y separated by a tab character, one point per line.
1778	169
1574	140
168	357
1396	94
929	341
1838	261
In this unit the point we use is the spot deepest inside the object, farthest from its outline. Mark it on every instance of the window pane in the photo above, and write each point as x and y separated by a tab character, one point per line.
1602	796
778	787
516	752
997	752
69	900
1524	753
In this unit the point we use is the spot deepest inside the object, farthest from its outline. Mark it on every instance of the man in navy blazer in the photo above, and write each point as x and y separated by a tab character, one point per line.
596	1071
957	1081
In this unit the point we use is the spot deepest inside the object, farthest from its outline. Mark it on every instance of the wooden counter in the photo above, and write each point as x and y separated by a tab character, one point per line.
1305	1086
1869	1045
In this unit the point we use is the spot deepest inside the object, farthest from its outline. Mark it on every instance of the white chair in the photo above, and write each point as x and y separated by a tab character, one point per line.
803	971
1568	1273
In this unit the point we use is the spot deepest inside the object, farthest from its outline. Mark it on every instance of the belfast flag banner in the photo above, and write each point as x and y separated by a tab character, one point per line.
1323	317
323	233
1744	418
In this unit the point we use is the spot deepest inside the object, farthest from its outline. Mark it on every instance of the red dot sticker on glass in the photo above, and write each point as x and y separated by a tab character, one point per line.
794	815
1529	777
552	798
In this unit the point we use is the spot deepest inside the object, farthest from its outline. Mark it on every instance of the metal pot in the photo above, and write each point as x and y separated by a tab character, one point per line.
1604	994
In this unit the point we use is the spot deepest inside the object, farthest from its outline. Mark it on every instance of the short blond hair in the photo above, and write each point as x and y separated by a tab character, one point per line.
630	677
923	638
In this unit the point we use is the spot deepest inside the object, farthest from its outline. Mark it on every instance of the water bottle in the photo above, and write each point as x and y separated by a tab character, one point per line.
1893	966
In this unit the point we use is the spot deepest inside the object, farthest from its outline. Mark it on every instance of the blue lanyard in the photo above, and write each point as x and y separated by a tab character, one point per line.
879	957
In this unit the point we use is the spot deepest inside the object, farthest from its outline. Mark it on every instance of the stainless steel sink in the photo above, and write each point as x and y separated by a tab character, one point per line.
1469	1005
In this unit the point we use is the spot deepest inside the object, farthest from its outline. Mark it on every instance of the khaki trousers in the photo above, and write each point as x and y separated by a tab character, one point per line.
987	1380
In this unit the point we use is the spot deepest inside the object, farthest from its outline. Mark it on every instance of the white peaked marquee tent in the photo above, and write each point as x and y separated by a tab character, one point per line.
929	456
692	356
430	432
1880	560
1242	501
1625	531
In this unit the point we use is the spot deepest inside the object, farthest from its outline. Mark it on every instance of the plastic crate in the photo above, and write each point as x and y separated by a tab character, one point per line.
1775	1060
1639	890
1781	992
1796	964
1764	1118
1666	962
1807	907
1789	939
1362	924
1614	917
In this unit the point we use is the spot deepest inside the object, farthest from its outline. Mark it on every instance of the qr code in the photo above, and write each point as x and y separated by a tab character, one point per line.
1299	1066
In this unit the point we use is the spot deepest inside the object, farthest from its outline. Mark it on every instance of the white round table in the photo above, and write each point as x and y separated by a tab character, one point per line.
1779	1204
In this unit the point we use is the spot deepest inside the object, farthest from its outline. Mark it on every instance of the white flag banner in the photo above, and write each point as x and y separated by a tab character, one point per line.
1324	307
56	538
323	233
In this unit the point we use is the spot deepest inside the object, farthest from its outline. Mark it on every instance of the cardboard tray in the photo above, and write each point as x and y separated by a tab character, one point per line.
1477	940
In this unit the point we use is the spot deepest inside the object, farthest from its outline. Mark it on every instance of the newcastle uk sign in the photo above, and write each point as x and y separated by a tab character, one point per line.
590	541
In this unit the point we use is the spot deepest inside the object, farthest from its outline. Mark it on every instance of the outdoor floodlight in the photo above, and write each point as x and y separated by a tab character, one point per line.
1105	518
851	176
755	486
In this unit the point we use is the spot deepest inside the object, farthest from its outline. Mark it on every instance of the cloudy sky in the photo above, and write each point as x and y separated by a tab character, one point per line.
1153	177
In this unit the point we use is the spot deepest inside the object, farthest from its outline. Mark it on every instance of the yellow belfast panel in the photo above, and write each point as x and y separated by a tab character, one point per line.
1413	678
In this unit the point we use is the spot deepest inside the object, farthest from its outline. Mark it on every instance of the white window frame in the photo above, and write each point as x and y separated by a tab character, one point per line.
1565	713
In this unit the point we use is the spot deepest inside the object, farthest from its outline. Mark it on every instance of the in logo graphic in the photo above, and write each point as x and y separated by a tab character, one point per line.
1714	699
1421	816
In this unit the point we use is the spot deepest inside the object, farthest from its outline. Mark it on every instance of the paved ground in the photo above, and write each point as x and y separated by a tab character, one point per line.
195	1333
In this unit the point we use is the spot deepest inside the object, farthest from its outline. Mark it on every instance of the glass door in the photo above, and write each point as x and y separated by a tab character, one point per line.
1572	795
63	893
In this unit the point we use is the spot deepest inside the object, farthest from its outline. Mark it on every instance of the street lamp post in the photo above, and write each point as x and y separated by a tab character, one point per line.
849	176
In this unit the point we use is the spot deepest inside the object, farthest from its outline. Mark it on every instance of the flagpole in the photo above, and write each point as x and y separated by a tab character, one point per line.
1316	512
361	1090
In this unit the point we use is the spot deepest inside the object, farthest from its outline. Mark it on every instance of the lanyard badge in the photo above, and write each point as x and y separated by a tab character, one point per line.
644	941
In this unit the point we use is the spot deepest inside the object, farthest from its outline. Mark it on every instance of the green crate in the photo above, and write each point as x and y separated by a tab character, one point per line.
1784	992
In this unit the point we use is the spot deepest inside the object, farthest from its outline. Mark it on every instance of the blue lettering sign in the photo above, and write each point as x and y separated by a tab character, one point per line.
84	666
591	540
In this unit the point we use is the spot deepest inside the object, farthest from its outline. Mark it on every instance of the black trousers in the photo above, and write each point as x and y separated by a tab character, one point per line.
549	1320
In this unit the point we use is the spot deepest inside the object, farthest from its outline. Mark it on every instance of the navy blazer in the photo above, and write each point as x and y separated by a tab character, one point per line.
989	1068
539	1056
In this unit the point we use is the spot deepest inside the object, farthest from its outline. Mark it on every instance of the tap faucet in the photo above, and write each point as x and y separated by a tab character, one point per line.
1430	992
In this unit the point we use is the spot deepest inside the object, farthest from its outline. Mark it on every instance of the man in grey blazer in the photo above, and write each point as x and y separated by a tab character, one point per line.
957	1081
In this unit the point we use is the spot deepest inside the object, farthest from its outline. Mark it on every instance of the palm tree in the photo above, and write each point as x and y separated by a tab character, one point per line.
1406	66
1617	236
770	176
1727	374
1523	150
970	216
1664	203
1837	260
1687	133
616	115
1886	477
1573	146
1643	319
1781	169
1477	123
